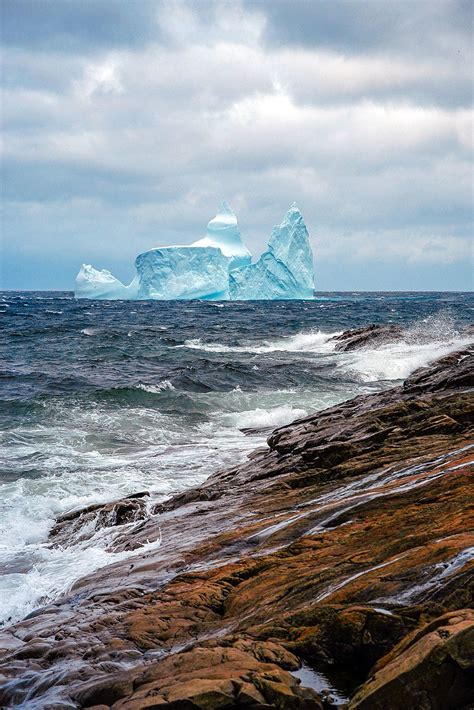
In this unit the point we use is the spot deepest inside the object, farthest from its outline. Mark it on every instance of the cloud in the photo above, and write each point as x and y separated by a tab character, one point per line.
127	138
393	28
77	26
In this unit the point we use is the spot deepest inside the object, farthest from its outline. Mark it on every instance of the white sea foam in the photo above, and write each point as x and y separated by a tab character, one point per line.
104	456
156	389
54	571
260	418
314	341
398	360
424	341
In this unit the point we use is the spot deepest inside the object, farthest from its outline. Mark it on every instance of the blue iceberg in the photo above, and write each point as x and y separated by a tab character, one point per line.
284	270
216	267
102	285
186	272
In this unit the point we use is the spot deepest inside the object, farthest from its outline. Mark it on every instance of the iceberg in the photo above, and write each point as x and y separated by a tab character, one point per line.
187	272
216	267
91	283
284	271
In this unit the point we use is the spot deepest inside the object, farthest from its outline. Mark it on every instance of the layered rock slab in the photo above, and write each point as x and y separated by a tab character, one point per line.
350	533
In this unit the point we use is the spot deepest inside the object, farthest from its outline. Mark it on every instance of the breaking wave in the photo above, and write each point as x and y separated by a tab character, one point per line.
301	342
424	341
260	418
156	389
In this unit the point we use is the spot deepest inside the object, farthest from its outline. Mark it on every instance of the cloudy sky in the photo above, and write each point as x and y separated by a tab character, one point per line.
126	121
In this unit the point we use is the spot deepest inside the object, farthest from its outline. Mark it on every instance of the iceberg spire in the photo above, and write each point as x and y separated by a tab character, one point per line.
223	232
284	270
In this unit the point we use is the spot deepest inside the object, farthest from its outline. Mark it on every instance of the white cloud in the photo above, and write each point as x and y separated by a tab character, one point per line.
183	24
100	78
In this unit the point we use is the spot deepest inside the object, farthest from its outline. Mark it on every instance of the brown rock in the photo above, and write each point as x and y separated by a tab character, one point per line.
433	668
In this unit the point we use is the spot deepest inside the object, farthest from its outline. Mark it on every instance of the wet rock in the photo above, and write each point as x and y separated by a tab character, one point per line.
83	523
454	371
336	545
369	336
433	668
214	678
353	637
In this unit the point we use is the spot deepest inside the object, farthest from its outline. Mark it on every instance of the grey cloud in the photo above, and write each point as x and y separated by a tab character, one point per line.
77	25
398	26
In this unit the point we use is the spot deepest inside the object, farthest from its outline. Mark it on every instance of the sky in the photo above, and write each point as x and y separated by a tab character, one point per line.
125	122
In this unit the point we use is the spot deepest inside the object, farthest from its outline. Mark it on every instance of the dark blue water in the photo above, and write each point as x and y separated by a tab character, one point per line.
99	399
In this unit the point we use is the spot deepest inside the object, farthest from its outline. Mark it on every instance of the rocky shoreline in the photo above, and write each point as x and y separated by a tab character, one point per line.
335	567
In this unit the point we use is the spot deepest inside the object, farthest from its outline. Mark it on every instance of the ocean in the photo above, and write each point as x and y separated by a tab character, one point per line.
102	399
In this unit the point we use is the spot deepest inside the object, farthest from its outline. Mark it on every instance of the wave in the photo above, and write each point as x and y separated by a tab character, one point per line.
260	418
425	340
55	570
156	389
398	361
107	454
314	341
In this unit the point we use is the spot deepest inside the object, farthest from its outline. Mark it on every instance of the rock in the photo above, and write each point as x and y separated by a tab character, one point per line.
340	544
451	372
433	668
214	678
371	335
83	523
353	636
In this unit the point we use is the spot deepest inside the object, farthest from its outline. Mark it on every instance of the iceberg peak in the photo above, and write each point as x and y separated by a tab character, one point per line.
284	270
223	232
293	213
225	215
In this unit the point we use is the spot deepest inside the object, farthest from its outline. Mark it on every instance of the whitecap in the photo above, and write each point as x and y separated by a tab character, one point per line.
314	341
156	389
260	418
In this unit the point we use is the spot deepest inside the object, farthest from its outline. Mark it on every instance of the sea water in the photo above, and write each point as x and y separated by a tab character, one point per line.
102	399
